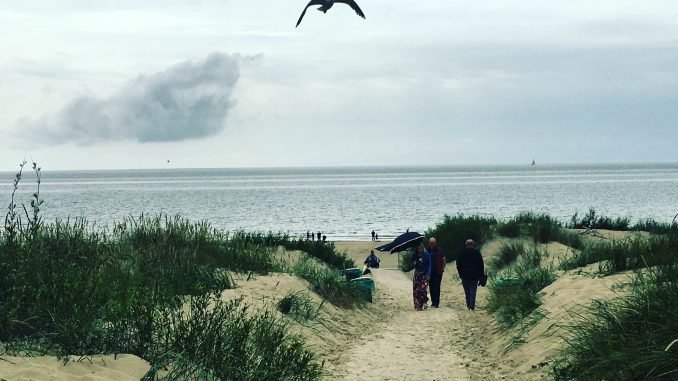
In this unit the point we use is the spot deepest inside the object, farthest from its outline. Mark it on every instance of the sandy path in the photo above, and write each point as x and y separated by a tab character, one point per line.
407	346
447	343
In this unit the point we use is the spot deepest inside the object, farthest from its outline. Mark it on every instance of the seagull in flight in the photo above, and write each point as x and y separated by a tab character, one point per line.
325	5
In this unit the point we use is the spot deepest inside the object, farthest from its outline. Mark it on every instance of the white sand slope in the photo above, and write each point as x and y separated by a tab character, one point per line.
410	345
94	368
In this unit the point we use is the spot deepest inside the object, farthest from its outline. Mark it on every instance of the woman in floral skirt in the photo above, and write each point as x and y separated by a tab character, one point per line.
422	269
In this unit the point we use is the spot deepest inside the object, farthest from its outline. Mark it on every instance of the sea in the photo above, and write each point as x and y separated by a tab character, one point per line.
348	203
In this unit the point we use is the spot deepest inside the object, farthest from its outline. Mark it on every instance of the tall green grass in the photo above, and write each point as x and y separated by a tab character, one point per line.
510	229
324	251
508	253
217	340
654	227
329	283
299	306
453	231
66	288
622	255
592	220
514	292
541	227
632	337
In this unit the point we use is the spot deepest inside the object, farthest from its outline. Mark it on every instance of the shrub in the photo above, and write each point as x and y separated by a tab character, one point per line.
405	261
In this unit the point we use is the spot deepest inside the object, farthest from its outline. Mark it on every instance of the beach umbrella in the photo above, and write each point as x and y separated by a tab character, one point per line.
402	242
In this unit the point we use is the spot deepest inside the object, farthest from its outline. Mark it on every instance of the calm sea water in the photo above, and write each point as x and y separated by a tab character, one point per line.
348	203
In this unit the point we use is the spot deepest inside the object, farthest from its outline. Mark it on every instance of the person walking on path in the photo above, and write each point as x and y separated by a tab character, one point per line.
422	269
470	267
437	268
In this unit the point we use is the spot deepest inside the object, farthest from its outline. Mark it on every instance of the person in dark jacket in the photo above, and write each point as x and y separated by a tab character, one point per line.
470	267
372	261
437	268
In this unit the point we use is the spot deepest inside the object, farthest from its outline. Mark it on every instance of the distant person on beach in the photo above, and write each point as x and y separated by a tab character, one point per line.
373	233
318	235
376	236
470	267
437	268
308	234
324	238
422	268
372	261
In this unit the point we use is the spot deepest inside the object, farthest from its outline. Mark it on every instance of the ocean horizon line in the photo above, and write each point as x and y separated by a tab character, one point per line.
365	166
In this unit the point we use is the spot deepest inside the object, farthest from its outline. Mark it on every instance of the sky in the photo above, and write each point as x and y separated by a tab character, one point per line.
202	84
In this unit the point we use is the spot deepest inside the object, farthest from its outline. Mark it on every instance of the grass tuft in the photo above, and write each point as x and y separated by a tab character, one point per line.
627	338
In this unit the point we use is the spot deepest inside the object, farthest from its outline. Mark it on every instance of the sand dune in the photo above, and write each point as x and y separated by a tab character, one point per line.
388	340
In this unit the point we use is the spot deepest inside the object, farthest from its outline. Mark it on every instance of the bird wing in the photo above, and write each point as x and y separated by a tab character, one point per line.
353	5
312	2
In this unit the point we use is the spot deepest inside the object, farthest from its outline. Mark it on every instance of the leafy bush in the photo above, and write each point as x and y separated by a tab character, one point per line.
405	261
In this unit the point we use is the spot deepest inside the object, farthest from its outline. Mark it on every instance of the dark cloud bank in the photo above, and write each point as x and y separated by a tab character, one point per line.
186	101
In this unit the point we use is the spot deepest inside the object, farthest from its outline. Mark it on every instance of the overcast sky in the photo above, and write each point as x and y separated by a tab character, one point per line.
231	83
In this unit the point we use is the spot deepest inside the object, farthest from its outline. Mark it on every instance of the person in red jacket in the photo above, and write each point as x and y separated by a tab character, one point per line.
437	268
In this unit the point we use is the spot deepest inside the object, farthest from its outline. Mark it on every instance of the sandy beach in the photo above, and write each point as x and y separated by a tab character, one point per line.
387	340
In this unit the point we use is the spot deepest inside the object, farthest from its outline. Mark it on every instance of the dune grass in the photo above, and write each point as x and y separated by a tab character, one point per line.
67	288
621	255
217	340
329	283
324	251
631	337
508	253
541	228
510	228
299	306
453	231
592	220
514	291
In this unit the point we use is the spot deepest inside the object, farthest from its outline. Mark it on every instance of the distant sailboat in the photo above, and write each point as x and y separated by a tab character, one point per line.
533	163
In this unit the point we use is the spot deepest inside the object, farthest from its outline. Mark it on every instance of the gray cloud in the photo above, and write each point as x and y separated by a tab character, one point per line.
186	101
